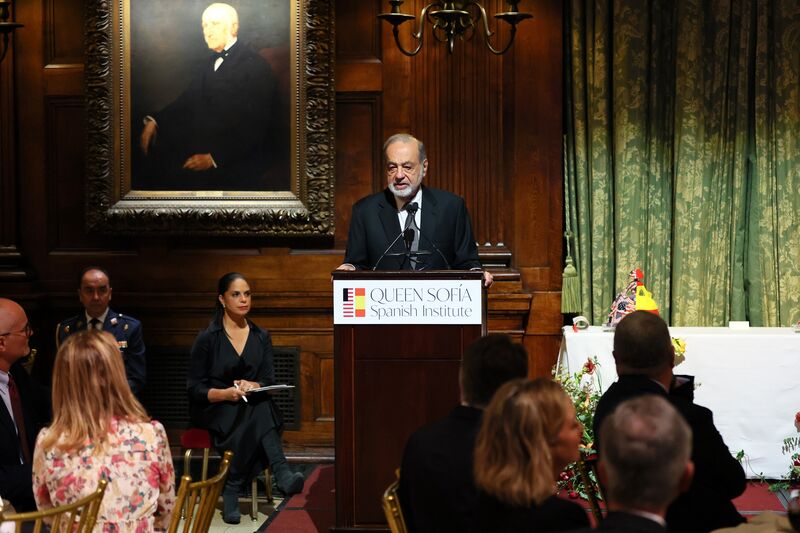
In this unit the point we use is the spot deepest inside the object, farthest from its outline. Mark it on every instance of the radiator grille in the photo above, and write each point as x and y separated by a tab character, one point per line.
165	394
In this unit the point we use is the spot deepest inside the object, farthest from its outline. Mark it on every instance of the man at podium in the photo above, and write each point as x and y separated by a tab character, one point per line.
407	226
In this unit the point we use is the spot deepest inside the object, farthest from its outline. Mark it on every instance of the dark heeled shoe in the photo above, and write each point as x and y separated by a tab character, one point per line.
291	483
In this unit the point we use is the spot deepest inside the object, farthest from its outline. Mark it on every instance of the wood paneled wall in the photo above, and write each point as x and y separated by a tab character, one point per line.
492	127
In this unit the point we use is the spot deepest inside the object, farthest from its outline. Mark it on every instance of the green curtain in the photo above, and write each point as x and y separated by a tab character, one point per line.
682	155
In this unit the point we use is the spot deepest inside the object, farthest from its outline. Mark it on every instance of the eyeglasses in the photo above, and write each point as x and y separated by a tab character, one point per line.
27	330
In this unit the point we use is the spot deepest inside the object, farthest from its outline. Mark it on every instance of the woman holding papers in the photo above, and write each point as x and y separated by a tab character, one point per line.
230	358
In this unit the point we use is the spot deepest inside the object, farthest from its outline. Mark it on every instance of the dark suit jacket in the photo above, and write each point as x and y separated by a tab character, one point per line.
619	522
437	491
128	332
16	479
225	113
445	226
718	476
554	514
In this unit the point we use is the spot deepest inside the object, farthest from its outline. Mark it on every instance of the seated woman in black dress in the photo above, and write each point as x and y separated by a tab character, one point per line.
528	435
228	359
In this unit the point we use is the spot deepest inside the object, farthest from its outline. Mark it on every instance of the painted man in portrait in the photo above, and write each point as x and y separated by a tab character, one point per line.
216	134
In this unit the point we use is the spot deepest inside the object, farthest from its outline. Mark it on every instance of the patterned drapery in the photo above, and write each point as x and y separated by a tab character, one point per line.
682	155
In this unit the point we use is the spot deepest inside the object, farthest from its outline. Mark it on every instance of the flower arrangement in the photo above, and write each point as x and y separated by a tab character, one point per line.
680	350
583	388
790	445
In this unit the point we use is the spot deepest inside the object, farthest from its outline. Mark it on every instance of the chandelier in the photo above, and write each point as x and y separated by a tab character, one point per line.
451	20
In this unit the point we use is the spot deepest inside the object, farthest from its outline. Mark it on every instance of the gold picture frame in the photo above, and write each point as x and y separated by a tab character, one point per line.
119	198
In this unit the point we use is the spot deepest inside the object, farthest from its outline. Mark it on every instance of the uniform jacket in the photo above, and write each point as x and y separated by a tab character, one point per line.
128	332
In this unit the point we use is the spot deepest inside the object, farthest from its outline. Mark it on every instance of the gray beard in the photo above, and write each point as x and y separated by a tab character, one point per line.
408	193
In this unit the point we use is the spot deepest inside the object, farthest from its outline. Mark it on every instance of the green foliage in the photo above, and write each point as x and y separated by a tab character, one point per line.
583	388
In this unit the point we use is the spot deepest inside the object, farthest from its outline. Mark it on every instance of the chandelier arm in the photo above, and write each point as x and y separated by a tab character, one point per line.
419	35
414	52
496	52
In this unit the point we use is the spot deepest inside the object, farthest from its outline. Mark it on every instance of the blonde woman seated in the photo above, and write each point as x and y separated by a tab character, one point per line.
528	435
100	430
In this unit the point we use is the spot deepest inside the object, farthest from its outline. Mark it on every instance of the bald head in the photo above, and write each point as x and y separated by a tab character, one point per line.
14	333
220	25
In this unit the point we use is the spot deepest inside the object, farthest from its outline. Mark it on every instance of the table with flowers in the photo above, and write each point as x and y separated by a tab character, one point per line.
749	378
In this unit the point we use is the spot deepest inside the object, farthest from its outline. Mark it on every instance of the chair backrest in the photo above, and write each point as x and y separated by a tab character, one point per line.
76	517
198	500
392	509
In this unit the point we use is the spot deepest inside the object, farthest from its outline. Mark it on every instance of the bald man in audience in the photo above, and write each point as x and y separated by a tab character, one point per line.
437	491
644	358
25	408
644	464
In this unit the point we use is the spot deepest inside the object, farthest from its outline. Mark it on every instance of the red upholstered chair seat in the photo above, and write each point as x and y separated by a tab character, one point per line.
195	439
200	439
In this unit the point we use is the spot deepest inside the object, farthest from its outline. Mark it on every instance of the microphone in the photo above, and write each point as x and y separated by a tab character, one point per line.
402	234
446	262
407	234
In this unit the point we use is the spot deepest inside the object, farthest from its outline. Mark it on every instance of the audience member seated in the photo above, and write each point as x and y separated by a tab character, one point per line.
528	435
644	359
231	357
101	431
644	464
25	408
437	491
94	293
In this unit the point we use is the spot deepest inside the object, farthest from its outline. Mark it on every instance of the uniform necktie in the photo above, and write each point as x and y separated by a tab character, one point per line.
19	418
93	324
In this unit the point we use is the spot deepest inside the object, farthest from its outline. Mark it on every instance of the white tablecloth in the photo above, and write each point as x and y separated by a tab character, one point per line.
749	378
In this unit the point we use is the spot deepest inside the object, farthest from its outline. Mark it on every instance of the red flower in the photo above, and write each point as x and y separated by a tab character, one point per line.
797	420
589	365
573	495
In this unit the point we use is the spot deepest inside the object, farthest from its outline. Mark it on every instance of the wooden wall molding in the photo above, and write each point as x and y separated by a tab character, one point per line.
492	126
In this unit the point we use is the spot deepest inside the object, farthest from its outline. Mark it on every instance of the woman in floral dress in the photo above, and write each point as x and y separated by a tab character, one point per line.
100	431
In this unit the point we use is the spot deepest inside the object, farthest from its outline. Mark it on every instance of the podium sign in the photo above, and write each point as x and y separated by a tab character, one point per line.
386	301
398	340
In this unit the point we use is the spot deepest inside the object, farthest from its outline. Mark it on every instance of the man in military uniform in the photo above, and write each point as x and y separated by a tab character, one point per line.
94	292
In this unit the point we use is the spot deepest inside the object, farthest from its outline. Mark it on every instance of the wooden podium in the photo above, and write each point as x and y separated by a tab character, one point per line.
392	378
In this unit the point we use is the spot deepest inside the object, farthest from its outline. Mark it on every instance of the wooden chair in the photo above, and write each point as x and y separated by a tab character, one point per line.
76	517
588	463
200	439
197	502
392	509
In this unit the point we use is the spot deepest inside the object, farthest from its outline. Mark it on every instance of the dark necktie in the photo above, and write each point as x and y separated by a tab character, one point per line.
222	54
93	324
412	209
19	418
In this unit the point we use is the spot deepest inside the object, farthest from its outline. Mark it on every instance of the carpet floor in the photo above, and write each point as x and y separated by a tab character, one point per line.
313	510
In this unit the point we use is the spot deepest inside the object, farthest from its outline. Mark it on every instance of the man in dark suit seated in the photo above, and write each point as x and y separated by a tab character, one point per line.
25	409
94	293
408	226
644	359
644	465
437	492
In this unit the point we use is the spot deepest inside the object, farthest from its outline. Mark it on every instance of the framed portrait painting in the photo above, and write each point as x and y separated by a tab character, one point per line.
210	117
